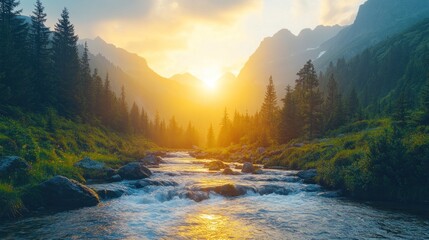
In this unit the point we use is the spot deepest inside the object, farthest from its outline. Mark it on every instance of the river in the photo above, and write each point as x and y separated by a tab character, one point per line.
277	205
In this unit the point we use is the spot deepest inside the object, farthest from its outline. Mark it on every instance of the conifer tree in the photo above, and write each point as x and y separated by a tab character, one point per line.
353	105
66	65
269	110
86	95
135	119
224	138
40	53
290	126
210	137
310	99
14	60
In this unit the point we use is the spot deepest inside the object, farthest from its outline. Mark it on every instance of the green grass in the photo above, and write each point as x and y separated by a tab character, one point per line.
51	145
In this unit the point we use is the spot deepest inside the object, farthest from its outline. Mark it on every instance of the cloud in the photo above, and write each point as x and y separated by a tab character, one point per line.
339	11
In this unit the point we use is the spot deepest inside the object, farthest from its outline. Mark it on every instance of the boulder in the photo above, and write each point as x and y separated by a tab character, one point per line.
248	167
258	171
134	171
151	160
215	165
109	193
11	165
115	178
64	194
308	175
228	171
227	190
197	196
94	169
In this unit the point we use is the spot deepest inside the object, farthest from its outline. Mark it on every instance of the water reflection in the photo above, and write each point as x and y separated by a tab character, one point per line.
213	226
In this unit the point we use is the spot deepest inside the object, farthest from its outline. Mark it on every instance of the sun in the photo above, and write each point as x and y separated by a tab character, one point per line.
210	78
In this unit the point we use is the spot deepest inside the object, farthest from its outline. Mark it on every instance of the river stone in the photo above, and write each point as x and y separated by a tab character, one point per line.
248	167
94	169
228	171
10	165
308	175
64	194
151	160
215	165
134	171
227	190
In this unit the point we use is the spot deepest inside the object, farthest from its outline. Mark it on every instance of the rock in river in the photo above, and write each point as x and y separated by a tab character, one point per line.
308	175
94	169
63	194
134	171
151	160
11	165
215	165
248	167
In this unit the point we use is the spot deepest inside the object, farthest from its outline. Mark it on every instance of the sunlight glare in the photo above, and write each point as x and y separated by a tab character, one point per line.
210	77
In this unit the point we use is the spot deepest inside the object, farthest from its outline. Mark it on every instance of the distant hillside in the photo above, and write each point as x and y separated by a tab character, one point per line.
375	22
399	65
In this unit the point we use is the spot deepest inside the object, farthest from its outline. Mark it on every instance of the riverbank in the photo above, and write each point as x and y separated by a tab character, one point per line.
51	145
184	199
367	160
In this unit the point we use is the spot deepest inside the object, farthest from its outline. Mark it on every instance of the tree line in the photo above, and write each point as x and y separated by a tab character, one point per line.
42	71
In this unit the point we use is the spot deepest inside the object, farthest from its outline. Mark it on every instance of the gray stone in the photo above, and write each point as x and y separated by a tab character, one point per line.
13	165
62	193
134	171
94	169
248	167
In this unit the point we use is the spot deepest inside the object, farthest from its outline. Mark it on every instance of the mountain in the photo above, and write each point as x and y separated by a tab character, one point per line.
187	79
281	56
376	21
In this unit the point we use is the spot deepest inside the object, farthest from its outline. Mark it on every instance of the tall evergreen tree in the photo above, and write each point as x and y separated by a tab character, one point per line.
353	106
135	119
290	126
224	138
424	103
210	137
333	106
14	60
85	81
269	110
66	66
40	53
310	99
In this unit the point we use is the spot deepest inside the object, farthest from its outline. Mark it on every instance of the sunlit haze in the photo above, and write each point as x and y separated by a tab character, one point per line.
205	38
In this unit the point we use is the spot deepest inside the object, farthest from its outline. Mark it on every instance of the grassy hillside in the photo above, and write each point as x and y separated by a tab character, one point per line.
52	144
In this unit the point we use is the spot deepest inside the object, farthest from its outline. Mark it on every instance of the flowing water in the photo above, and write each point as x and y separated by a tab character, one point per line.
277	205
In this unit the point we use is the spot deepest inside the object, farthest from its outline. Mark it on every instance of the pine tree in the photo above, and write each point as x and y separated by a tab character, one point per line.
66	65
123	121
269	110
224	138
85	81
424	103
144	123
210	137
14	60
135	119
289	127
401	111
333	105
353	105
40	53
310	99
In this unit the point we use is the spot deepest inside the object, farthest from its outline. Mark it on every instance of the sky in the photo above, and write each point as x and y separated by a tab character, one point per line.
203	37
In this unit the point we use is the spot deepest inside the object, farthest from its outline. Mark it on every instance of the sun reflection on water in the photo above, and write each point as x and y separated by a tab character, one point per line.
213	226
